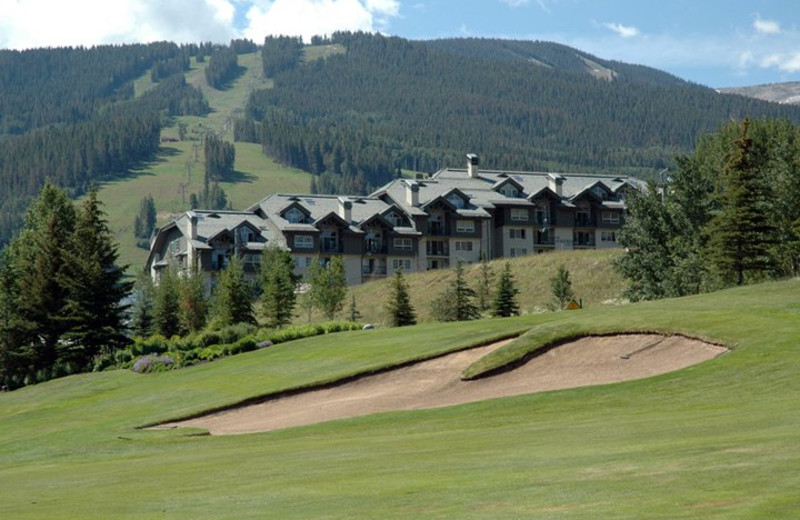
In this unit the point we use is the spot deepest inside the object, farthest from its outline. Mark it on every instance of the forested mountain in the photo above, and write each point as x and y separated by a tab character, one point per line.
70	115
355	118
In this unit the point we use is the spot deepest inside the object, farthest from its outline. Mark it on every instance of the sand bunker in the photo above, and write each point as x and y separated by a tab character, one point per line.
437	383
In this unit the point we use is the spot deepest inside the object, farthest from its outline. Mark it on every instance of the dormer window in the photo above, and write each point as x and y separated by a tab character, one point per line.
395	219
510	191
295	216
600	192
456	201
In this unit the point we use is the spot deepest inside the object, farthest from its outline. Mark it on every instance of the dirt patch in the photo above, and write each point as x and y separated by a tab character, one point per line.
437	382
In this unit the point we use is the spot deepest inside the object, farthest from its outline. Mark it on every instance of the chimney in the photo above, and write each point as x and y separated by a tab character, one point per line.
346	209
192	225
412	193
472	165
556	183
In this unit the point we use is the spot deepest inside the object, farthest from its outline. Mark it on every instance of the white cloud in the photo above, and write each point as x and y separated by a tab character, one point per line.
517	3
307	18
789	62
45	23
622	30
766	26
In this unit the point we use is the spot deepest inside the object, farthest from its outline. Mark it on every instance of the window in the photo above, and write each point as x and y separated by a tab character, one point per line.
395	219
510	191
302	262
455	200
611	217
295	216
542	216
303	242
518	251
583	238
519	214
608	236
465	226
402	243
463	246
517	233
401	263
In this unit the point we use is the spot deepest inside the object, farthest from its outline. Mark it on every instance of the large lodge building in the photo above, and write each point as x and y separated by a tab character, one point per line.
413	225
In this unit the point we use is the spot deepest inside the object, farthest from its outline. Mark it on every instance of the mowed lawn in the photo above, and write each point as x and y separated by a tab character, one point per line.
717	440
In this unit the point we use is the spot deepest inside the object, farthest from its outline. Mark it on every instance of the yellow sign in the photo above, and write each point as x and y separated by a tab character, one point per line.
573	305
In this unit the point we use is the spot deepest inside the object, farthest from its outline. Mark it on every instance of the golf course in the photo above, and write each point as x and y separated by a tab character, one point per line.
715	439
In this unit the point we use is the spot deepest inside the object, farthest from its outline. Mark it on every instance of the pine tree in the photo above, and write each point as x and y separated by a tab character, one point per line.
456	303
401	313
38	254
12	365
278	287
561	288
328	286
166	309
485	284
142	313
193	304
233	296
96	288
353	314
742	235
504	303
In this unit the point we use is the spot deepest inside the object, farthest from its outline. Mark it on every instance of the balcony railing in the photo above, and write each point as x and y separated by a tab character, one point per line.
438	249
584	221
437	229
375	271
375	247
330	245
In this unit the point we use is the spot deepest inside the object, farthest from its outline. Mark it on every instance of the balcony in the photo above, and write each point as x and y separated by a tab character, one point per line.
544	239
330	245
438	249
375	247
437	229
584	220
377	271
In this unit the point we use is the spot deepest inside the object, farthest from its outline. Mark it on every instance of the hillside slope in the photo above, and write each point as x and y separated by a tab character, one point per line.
785	93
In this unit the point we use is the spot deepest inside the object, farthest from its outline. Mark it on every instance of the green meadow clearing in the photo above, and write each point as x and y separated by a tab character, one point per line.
717	440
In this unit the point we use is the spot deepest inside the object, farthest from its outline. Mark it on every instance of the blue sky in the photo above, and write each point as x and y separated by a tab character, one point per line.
713	42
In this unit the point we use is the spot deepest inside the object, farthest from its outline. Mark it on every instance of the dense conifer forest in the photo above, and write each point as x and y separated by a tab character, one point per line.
355	118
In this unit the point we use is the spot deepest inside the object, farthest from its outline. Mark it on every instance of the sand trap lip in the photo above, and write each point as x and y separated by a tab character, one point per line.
437	382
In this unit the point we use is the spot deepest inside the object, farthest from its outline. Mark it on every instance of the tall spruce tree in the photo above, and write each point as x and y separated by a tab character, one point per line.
233	296
166	308
398	306
742	235
457	301
39	255
504	303
192	302
278	287
142	312
94	308
12	363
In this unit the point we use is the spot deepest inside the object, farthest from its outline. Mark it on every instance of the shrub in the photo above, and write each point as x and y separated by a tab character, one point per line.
150	363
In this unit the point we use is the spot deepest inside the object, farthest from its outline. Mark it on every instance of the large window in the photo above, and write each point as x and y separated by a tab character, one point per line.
611	217
303	242
465	226
518	251
519	214
608	236
395	219
517	233
402	243
455	200
464	246
401	263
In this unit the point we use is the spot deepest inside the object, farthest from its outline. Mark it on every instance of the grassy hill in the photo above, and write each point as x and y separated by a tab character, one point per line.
717	440
178	170
785	93
594	281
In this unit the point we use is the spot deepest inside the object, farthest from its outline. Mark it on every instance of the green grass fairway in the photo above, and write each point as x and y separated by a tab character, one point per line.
717	440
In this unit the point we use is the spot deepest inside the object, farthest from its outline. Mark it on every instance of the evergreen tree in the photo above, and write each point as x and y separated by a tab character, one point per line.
96	288
193	304
561	288
401	313
456	303
39	259
12	363
142	313
504	303
278	287
742	235
167	305
485	284
353	313
233	296
328	286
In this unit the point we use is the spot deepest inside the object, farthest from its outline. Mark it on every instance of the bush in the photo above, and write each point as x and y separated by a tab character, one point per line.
150	363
